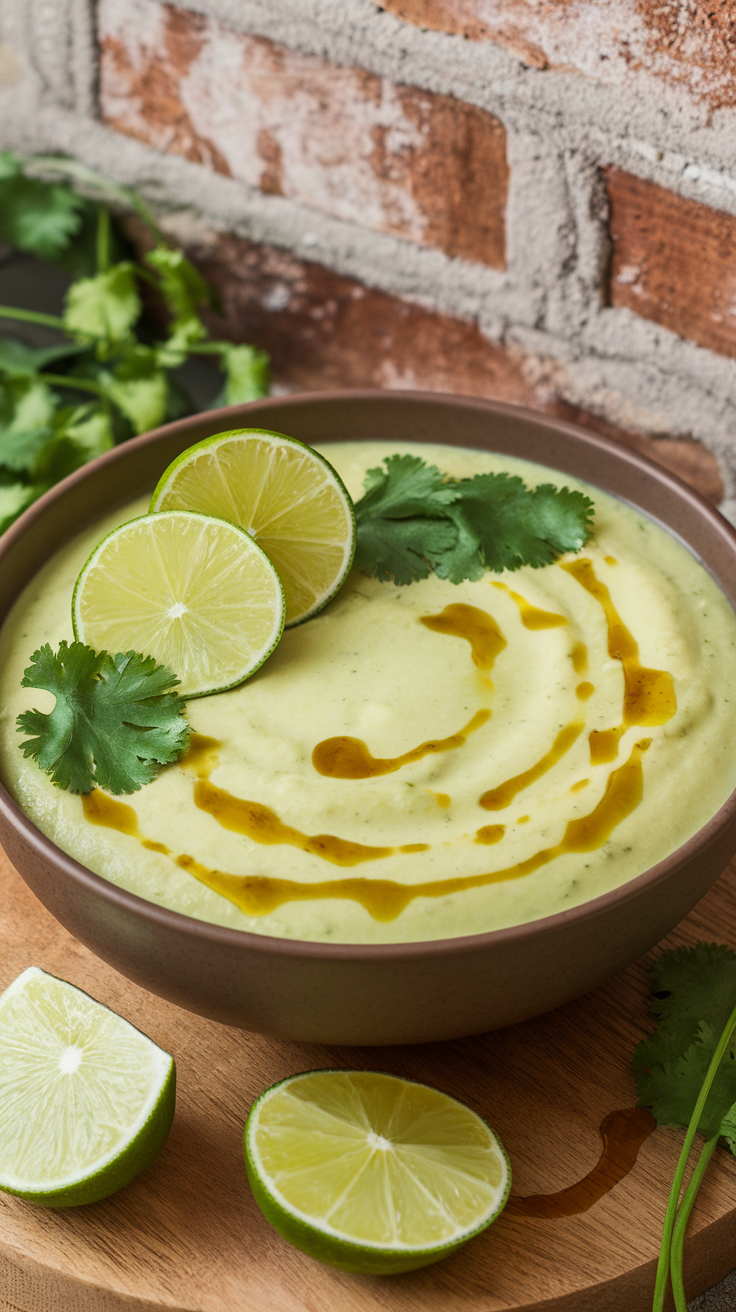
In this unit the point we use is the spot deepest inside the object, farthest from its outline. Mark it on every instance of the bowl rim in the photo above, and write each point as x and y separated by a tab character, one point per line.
267	944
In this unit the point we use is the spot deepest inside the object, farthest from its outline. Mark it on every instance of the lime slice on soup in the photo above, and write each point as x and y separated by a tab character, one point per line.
285	495
195	592
372	1173
86	1100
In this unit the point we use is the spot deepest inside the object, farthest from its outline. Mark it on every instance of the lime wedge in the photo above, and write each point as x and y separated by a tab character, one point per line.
86	1100
285	495
372	1173
193	591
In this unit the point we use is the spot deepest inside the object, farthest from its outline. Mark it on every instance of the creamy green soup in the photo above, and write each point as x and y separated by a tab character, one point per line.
425	761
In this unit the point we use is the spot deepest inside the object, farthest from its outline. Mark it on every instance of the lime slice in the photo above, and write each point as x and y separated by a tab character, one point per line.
86	1100
285	495
372	1173
193	591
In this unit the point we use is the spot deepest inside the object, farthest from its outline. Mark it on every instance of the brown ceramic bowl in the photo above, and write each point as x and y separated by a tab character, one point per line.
393	993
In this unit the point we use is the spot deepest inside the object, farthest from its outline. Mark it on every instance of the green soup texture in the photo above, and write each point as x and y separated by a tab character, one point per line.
427	761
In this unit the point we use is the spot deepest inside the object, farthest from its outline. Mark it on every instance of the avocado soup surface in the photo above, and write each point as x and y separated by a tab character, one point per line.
426	761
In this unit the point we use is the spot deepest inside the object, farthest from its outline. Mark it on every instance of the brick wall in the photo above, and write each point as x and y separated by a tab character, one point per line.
528	201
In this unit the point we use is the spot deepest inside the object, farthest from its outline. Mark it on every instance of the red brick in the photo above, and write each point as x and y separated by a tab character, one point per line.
673	261
425	167
327	331
628	42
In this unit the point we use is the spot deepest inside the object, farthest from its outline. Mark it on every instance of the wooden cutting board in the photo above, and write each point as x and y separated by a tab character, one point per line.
186	1235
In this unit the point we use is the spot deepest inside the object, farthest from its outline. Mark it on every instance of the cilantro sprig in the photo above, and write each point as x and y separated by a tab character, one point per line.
116	720
413	520
113	377
686	1075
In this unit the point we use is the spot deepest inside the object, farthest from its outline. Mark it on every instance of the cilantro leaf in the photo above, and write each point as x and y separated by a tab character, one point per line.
690	985
247	373
81	433
15	497
116	718
503	524
406	487
686	1074
26	412
405	550
182	286
139	387
694	990
105	306
402	520
184	289
35	216
671	1085
17	360
413	519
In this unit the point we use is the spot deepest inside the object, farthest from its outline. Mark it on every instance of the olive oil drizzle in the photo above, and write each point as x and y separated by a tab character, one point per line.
202	756
579	658
385	899
100	809
649	695
350	758
489	834
495	799
649	699
531	616
475	625
623	1134
603	744
262	825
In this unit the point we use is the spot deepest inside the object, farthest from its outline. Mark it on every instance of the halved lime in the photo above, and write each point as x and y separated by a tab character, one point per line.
284	494
194	591
372	1173
86	1100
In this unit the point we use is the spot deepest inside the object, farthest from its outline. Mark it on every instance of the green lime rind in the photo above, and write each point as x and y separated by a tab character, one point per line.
209	443
325	1245
135	1158
79	628
117	1167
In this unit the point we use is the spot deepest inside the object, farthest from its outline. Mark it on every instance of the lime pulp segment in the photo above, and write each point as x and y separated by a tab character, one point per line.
195	592
86	1100
370	1172
287	496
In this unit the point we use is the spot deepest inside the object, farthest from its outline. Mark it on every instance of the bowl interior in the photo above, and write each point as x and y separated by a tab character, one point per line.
134	468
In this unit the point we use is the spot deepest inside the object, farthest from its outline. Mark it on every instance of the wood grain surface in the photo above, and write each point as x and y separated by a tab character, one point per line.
186	1236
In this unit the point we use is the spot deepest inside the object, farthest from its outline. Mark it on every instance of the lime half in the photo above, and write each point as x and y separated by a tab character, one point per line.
372	1173
193	591
86	1100
285	495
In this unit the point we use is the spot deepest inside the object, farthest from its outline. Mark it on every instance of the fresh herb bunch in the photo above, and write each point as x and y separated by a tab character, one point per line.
686	1075
62	405
413	520
116	721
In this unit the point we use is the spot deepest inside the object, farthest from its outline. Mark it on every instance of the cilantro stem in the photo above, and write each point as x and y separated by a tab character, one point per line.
663	1266
71	168
103	239
68	380
32	316
681	1220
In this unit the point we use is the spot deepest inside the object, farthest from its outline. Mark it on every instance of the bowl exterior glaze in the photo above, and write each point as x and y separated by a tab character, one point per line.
349	993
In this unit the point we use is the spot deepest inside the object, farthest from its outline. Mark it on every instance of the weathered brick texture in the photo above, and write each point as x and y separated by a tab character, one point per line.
673	261
689	44
389	157
327	331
